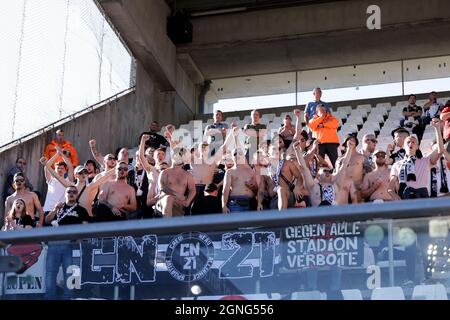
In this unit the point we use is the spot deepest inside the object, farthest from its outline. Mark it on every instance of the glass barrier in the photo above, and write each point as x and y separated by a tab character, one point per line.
329	260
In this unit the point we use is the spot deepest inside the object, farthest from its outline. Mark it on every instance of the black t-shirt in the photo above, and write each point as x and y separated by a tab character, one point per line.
208	204
25	221
156	140
71	215
413	108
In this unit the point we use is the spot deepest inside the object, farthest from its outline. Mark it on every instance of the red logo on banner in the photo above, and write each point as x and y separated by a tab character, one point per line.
28	253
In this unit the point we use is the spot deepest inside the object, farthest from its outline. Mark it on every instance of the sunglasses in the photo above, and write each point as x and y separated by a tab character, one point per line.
327	171
71	192
373	140
122	169
19	181
111	158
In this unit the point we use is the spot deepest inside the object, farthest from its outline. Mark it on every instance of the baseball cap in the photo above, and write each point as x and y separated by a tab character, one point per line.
211	187
378	151
349	136
79	169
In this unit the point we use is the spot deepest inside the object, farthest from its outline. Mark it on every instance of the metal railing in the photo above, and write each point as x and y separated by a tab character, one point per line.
219	222
66	119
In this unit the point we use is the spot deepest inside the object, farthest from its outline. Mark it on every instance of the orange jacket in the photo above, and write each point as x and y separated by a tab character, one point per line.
67	147
327	133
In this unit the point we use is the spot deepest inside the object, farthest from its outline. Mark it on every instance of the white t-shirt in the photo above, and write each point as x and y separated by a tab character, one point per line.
422	171
55	194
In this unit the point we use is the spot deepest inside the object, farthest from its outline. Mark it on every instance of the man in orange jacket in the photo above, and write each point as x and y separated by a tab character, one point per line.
66	146
324	127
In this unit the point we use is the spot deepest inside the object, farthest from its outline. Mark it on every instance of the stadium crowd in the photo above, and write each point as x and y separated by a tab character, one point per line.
303	165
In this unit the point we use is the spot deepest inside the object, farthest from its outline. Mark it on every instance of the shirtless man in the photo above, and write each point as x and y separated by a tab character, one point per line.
376	183
329	188
355	170
174	183
282	172
86	191
117	198
239	185
30	198
266	187
153	169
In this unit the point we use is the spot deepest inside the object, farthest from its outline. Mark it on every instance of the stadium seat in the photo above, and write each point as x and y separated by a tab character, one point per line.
268	116
430	292
352	294
367	107
385	105
388	293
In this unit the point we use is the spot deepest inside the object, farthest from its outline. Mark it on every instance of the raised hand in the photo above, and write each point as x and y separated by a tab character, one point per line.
297	113
145	137
92	143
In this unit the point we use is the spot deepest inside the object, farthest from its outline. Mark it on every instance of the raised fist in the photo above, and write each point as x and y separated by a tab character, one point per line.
92	143
297	112
145	137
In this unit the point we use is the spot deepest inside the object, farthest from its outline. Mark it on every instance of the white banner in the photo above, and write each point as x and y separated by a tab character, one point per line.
32	281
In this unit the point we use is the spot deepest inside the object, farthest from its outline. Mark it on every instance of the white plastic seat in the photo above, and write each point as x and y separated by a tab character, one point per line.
388	293
268	116
230	120
401	103
352	294
361	112
385	105
430	292
345	109
367	107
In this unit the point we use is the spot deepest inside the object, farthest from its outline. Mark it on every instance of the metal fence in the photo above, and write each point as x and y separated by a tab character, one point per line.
58	57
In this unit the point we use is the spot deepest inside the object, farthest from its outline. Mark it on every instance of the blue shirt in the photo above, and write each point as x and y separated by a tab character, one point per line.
311	108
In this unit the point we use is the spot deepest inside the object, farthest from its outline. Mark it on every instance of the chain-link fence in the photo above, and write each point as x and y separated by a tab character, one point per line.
57	57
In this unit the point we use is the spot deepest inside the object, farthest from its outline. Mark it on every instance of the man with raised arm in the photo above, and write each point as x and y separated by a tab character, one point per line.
329	188
31	199
376	183
86	191
152	169
177	186
117	198
55	191
283	172
203	166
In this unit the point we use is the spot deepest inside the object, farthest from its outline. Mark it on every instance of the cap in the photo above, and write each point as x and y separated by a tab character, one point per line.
349	136
79	169
399	129
211	187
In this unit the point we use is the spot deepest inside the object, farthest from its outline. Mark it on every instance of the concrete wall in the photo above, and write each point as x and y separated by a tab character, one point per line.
142	25
317	36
